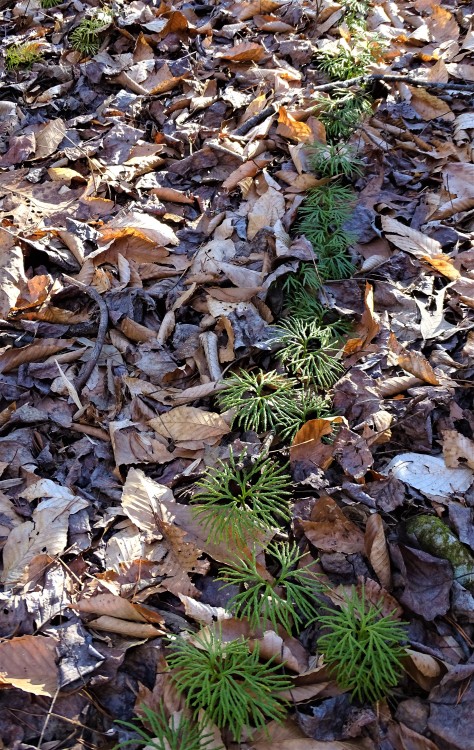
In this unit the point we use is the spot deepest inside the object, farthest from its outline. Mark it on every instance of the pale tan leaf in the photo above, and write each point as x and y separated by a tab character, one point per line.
454	206
203	613
243	52
13	358
409	240
156	230
443	264
376	549
29	663
132	445
423	668
141	500
458	450
329	529
48	138
190	424
125	627
45	534
265	212
428	106
12	272
117	606
413	362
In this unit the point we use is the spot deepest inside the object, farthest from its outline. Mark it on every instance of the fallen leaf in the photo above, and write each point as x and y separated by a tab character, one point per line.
190	426
376	549
330	531
29	663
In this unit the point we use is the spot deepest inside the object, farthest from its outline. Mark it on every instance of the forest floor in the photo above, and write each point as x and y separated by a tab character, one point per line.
151	251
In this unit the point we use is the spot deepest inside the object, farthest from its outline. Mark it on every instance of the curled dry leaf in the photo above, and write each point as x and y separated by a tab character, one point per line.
413	362
117	606
329	529
376	549
307	447
29	663
244	52
409	240
288	127
423	668
191	427
458	450
369	325
125	627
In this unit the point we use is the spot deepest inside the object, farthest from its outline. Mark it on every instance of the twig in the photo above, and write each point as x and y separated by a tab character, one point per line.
255	120
86	372
466	87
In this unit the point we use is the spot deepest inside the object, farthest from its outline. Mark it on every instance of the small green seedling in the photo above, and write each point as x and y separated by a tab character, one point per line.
85	38
342	113
50	3
362	647
288	599
157	732
22	55
241	496
256	397
334	160
309	351
228	682
350	58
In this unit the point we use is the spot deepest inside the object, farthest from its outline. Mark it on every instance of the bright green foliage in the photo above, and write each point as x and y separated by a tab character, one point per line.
290	599
333	160
22	55
228	682
308	351
345	60
256	396
355	12
342	113
50	3
164	734
240	496
85	38
306	404
362	647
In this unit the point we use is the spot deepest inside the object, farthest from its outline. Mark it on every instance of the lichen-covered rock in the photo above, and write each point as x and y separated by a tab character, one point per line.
435	537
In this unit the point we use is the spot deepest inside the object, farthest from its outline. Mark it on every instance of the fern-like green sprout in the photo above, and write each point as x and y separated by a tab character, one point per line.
309	351
289	599
362	648
50	3
256	396
351	59
342	113
333	160
85	37
306	404
156	732
239	497
355	13
228	682
22	55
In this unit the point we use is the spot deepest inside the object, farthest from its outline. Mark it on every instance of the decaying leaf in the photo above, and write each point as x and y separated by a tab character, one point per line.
29	663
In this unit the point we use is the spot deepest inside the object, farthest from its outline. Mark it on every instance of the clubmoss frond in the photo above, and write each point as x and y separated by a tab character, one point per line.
342	113
288	600
22	55
157	732
228	682
334	160
85	37
256	396
309	352
50	3
306	404
362	648
344	60
240	496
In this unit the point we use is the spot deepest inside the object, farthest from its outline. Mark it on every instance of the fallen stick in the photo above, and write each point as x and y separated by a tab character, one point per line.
390	78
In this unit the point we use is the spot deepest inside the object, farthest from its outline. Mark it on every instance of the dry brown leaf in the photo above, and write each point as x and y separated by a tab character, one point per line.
443	264
243	52
45	534
452	207
369	325
442	24
428	106
465	289
329	529
125	627
48	138
409	240
404	738
12	272
413	362
13	358
376	549
245	10
307	444
458	450
288	127
189	425
265	212
132	445
423	668
29	663
117	606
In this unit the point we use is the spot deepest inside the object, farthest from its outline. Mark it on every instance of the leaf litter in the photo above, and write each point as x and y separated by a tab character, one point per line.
150	187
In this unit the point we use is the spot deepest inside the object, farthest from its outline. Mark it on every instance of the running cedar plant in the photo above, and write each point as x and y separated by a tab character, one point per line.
157	732
334	160
227	682
22	55
351	57
288	599
241	496
257	398
50	3
362	648
85	37
342	112
309	351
